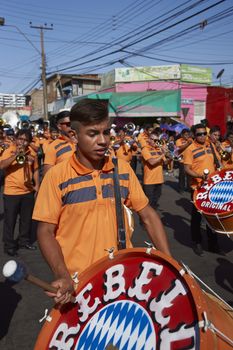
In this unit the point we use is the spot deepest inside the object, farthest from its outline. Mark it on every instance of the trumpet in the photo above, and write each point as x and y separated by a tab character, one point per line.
21	157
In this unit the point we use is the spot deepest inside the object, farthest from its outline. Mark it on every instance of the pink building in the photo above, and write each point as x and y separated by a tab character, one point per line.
192	81
193	96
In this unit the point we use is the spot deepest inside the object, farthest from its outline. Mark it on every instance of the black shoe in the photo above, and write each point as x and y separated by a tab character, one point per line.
214	248
197	248
28	246
11	252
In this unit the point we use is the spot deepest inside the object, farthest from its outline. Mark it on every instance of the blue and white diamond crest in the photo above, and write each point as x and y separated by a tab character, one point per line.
222	192
124	324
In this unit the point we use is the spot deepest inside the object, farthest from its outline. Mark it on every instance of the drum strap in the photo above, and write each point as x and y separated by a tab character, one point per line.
216	161
119	208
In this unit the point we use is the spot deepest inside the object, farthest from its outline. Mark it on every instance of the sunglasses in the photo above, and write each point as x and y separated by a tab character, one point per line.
66	123
201	133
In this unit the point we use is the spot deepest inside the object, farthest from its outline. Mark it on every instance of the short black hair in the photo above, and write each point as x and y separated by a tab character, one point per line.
198	126
26	132
88	111
214	129
62	115
184	131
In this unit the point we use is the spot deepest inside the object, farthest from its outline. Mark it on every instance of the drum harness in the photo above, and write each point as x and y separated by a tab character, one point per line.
119	208
205	323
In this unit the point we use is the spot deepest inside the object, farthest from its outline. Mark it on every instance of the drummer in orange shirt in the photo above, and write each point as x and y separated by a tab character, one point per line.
21	183
198	157
81	224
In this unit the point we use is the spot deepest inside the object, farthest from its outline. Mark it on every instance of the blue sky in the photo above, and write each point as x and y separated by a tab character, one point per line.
96	36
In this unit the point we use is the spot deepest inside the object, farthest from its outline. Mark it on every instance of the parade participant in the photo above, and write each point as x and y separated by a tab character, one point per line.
226	151
62	147
198	157
126	146
81	224
215	145
21	183
143	137
153	157
182	144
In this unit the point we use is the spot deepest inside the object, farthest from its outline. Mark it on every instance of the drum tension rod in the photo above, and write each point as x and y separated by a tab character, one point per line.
185	269
206	324
110	252
149	247
46	317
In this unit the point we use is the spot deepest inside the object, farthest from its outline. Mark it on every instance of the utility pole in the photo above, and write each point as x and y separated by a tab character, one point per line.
43	66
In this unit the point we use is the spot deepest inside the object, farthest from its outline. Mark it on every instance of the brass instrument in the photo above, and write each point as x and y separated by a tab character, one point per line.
130	127
21	157
2	122
3	146
225	156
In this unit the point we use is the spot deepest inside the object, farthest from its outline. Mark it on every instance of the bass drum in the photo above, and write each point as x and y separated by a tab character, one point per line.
138	299
214	200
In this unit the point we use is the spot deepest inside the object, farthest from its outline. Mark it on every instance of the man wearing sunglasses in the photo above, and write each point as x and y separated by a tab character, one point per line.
63	147
198	157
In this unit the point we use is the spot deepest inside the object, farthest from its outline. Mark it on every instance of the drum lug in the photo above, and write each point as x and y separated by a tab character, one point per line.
46	317
185	269
75	277
110	252
205	323
149	247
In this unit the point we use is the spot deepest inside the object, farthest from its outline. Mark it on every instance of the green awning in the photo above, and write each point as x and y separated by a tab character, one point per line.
142	104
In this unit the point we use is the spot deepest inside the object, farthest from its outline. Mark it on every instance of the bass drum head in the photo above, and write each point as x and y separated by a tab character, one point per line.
214	199
137	300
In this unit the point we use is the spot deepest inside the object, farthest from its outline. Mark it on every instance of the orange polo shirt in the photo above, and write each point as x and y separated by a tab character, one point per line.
180	142
142	139
152	174
200	157
58	150
18	177
83	208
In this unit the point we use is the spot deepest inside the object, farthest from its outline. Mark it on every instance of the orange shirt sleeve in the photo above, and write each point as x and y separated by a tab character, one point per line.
50	155
188	156
48	203
146	154
136	197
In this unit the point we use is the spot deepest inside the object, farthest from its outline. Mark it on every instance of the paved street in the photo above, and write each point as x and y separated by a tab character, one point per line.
23	305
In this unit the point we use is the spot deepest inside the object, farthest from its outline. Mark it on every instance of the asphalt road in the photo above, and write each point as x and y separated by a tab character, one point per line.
23	304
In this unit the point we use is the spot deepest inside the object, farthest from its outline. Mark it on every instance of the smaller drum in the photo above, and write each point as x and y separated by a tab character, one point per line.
138	299
214	200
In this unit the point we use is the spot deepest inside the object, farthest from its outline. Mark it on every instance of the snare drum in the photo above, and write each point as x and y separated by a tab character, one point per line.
214	200
137	299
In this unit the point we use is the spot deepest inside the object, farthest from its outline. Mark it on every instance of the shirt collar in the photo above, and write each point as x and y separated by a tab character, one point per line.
82	170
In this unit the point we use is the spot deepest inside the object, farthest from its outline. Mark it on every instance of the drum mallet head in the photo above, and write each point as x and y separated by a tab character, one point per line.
17	271
206	173
14	271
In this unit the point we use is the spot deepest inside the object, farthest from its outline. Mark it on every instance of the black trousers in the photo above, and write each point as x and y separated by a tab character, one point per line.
153	192
133	163
196	227
15	205
183	178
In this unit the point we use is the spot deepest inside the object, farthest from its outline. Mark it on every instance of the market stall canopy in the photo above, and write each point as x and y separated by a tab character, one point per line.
142	104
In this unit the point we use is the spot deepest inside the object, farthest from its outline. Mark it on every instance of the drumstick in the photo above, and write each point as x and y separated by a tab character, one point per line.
17	271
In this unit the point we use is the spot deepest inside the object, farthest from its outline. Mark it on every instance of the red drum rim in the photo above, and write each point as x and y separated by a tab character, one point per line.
194	292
